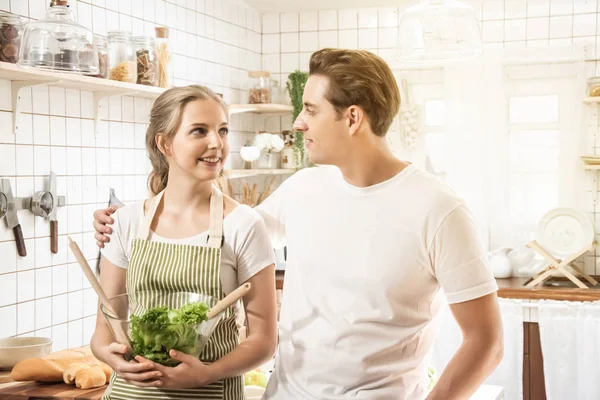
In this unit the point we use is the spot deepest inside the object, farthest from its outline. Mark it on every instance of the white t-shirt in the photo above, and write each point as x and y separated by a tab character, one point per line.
246	250
366	274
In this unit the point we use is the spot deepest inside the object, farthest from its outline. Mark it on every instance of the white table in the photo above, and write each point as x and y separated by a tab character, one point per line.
488	392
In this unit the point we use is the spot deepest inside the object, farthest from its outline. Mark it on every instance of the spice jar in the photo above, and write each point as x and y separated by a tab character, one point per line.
259	91
102	49
147	64
121	57
163	56
11	30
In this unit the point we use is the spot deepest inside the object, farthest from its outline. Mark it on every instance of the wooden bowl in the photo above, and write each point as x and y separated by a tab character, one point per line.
13	350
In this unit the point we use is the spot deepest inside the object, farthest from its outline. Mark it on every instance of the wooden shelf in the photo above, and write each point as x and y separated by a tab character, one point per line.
590	163
21	78
272	109
590	100
245	173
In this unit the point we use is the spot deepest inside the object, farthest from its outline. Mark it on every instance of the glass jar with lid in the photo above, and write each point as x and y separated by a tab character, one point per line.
147	63
58	42
101	45
11	31
259	87
121	56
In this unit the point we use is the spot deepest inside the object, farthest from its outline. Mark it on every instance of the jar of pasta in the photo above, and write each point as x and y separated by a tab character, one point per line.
122	57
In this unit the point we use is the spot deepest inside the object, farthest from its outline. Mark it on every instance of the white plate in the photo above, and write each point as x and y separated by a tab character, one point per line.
564	231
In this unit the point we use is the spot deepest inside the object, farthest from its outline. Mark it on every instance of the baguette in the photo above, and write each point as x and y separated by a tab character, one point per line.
41	370
62	366
90	377
72	370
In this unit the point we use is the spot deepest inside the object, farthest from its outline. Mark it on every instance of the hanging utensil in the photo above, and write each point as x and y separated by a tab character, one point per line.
53	214
3	205
12	219
45	204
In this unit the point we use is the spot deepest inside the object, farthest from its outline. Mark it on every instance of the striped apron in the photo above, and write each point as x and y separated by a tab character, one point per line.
159	271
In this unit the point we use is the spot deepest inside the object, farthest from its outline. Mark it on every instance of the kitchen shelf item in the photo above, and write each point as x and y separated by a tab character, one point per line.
564	231
274	109
22	78
103	60
13	350
259	87
568	234
122	59
147	63
11	33
558	266
438	30
163	54
58	42
11	217
593	86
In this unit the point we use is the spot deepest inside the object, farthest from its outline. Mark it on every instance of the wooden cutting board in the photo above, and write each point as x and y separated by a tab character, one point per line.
50	391
5	377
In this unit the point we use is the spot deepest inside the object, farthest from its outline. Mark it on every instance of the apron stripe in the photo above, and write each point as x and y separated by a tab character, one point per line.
157	273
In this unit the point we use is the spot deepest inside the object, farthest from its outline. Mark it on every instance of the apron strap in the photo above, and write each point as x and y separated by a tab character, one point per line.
144	232
215	229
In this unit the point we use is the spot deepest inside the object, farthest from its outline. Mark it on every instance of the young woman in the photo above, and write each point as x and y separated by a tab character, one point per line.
189	237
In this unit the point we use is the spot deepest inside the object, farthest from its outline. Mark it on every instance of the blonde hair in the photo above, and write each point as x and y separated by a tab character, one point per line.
361	78
165	118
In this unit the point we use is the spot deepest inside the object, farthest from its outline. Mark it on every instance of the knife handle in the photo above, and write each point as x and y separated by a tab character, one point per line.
20	241
54	236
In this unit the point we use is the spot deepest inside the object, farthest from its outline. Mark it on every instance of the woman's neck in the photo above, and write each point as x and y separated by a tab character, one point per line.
182	193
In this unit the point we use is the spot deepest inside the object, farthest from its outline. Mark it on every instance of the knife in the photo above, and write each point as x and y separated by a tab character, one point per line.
12	219
52	216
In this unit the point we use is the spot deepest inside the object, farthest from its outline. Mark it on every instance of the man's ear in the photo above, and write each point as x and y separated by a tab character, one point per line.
163	144
355	116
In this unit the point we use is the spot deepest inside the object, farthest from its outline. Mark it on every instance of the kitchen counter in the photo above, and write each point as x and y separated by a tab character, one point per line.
514	288
556	289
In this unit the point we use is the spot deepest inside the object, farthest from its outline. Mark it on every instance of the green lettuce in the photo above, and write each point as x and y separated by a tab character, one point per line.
160	329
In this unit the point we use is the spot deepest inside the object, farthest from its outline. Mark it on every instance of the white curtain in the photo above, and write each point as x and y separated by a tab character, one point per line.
570	338
509	373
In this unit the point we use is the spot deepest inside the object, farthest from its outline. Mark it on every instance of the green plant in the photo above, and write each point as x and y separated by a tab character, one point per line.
161	329
295	85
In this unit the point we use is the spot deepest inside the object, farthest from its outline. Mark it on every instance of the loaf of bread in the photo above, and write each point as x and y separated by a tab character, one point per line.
72	370
91	377
41	370
69	366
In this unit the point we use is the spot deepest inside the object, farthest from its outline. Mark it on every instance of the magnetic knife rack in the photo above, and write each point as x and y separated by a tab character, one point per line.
41	204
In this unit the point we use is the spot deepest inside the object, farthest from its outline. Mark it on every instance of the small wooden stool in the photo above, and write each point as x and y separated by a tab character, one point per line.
559	266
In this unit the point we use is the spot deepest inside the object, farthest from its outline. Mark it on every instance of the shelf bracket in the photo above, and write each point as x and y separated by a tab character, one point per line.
15	88
98	96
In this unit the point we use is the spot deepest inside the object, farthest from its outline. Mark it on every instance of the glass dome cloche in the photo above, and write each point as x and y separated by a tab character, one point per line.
59	43
436	30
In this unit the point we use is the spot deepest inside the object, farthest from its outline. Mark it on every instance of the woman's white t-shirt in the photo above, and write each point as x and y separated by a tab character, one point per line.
246	250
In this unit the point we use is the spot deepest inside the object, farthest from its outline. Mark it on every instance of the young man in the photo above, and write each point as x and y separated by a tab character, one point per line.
375	248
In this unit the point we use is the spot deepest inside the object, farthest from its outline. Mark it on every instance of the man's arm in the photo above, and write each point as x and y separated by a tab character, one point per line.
480	352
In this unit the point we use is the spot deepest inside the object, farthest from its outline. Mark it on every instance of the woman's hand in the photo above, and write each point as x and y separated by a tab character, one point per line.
139	374
191	373
102	218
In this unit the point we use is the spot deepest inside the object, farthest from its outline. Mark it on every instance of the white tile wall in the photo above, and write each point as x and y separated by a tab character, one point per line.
508	23
215	43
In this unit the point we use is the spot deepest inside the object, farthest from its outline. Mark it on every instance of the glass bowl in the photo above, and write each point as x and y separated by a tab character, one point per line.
153	337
